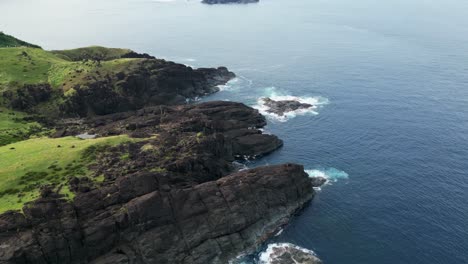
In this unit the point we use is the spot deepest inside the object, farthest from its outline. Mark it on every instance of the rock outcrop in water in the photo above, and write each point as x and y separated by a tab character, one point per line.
212	2
175	199
283	106
286	253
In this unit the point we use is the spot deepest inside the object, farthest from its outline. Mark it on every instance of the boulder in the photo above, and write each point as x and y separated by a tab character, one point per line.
283	106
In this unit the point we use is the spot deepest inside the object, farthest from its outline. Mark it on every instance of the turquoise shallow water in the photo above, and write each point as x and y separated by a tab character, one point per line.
391	79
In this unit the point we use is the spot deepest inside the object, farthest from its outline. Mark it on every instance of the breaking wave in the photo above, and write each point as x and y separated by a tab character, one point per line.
316	101
331	174
235	83
277	252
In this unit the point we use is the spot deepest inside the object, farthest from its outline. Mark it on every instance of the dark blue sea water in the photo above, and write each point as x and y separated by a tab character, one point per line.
391	78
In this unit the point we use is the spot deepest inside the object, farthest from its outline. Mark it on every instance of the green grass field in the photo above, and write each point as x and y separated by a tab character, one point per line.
93	52
13	128
28	160
26	165
25	65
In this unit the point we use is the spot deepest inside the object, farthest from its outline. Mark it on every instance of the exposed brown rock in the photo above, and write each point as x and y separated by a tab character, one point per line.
136	220
174	199
283	106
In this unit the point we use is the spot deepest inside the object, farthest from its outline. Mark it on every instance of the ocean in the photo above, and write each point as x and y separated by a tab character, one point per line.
389	80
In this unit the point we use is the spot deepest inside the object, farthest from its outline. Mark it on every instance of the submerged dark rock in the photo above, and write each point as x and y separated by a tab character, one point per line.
318	181
283	106
212	2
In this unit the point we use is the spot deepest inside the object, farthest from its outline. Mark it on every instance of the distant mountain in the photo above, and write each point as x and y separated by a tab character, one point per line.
212	2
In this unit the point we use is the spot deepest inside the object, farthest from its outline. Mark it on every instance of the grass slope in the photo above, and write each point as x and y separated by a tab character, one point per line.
10	41
14	128
23	65
27	165
92	53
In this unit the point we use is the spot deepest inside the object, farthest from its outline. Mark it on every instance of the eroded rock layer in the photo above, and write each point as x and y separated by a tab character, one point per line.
174	198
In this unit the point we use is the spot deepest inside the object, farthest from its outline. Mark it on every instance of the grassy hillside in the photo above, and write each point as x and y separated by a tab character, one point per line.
40	81
62	71
92	53
13	127
27	165
10	41
24	65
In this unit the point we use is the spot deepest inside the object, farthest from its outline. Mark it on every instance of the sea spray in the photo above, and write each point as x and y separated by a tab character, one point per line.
287	253
273	93
236	83
331	174
276	253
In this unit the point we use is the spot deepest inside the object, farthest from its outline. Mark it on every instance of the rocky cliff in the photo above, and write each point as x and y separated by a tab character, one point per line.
176	198
167	189
98	81
139	219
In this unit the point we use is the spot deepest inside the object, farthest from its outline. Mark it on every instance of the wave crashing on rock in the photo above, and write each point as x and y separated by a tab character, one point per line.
285	253
330	175
281	108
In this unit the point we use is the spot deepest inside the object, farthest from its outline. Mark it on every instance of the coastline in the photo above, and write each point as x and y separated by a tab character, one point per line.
173	179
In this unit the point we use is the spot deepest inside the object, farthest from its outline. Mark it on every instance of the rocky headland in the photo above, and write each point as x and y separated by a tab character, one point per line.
168	193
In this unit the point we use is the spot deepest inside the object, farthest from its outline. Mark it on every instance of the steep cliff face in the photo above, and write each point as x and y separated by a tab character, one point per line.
174	198
97	81
148	82
165	191
139	220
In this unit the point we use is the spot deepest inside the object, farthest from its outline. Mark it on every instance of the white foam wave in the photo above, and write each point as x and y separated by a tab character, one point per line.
331	174
235	83
229	85
277	250
272	93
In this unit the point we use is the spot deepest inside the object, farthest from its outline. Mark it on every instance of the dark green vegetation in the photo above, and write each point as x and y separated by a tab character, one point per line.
10	41
16	126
